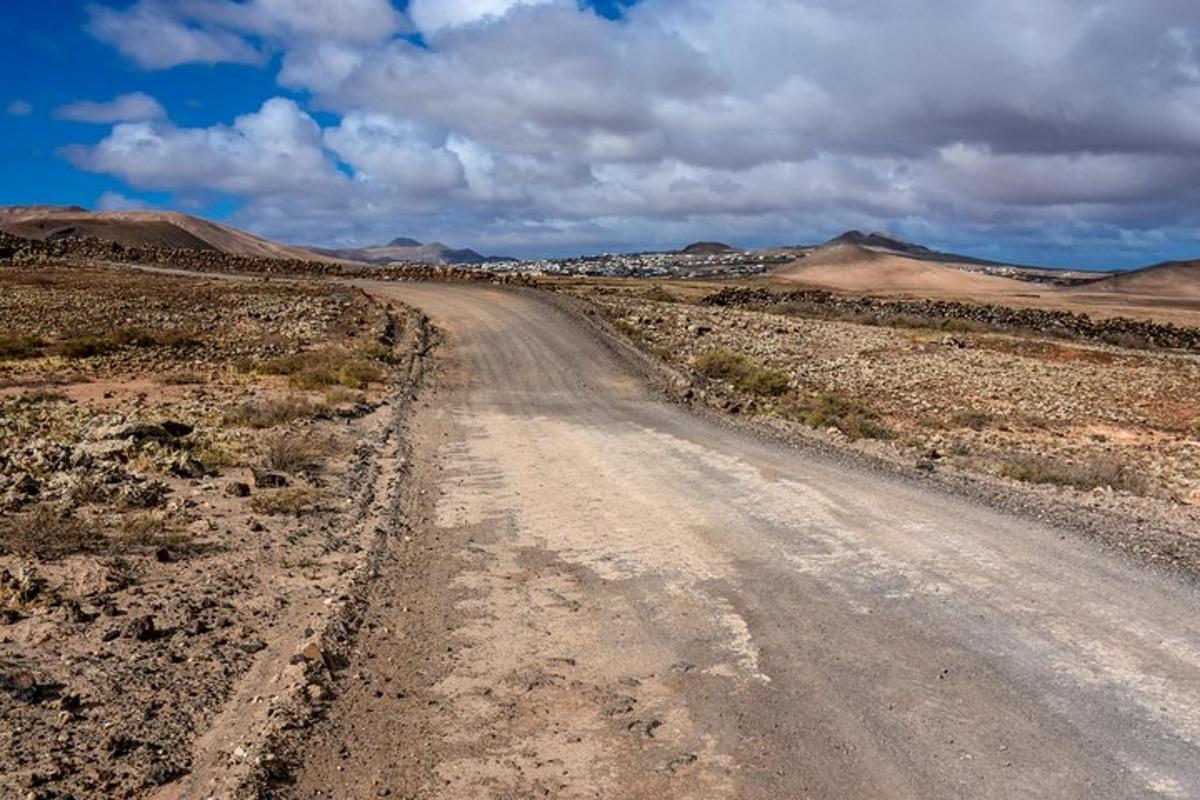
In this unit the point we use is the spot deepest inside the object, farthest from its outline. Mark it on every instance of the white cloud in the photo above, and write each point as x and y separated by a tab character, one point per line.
274	150
133	107
19	108
433	15
158	34
382	149
154	36
535	122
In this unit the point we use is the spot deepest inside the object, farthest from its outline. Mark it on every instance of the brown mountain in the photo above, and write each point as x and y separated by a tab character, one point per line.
707	249
855	268
411	251
141	229
1171	279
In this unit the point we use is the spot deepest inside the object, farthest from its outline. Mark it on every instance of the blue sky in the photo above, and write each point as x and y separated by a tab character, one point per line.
1056	131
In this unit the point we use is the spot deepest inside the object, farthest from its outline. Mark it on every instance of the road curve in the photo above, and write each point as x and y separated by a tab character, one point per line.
650	605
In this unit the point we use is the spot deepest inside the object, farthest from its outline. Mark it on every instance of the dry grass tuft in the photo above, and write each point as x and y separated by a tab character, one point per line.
294	501
333	366
975	420
1097	473
289	451
46	534
184	378
269	412
150	529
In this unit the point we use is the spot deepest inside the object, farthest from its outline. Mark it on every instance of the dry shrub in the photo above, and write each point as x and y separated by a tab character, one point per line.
184	378
89	344
333	366
340	395
218	454
1096	473
269	412
290	451
743	373
975	420
40	396
149	529
294	501
658	294
47	534
16	348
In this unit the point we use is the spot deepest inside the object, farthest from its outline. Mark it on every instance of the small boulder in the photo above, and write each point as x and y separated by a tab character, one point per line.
237	489
262	479
142	628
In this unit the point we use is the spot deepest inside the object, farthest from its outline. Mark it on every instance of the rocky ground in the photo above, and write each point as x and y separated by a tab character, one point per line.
184	468
1110	428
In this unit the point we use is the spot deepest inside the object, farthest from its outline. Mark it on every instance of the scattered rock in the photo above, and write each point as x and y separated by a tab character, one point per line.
143	629
263	479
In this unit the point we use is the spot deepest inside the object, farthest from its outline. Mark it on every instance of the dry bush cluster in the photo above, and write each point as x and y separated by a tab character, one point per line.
1095	473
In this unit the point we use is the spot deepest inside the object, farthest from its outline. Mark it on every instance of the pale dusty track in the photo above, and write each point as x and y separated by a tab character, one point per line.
625	600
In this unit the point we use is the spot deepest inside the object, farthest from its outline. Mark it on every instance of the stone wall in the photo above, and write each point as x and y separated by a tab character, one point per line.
1065	324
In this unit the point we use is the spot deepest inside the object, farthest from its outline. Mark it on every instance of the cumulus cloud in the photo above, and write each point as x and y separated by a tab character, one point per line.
433	15
134	107
19	108
158	34
153	35
274	150
540	122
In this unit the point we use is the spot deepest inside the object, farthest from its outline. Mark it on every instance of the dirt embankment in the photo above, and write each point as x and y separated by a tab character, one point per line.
191	473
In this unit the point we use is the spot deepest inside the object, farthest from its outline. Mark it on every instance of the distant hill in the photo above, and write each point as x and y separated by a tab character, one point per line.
1171	279
707	249
857	268
140	229
403	249
881	241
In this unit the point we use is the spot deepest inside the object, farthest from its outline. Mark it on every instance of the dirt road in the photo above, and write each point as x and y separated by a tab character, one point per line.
603	595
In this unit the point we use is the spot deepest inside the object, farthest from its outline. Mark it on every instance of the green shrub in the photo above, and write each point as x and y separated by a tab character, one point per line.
831	411
743	373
